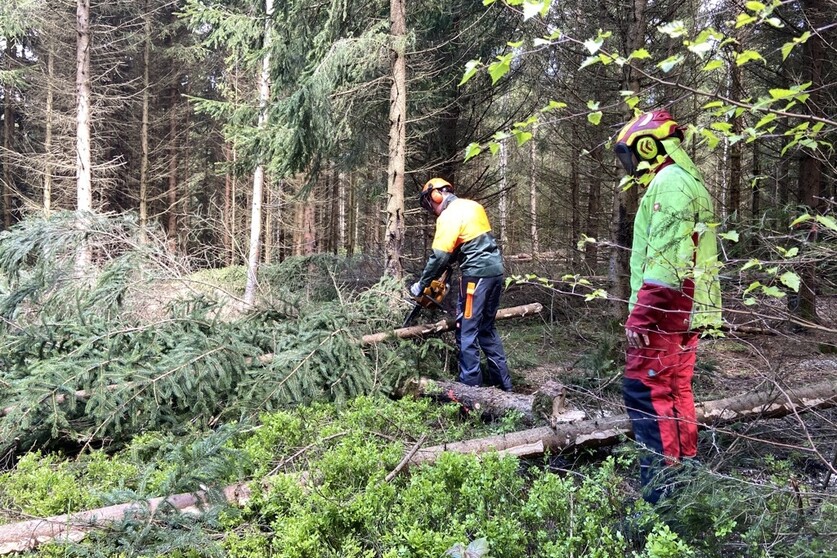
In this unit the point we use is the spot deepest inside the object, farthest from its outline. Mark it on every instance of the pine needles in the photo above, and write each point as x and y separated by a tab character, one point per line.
85	361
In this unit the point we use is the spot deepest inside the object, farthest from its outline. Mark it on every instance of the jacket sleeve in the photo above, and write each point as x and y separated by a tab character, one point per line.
445	242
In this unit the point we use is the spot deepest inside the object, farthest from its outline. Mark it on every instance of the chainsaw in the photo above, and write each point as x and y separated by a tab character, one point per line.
432	296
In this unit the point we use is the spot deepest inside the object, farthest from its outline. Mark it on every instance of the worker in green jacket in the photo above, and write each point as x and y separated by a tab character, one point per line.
675	292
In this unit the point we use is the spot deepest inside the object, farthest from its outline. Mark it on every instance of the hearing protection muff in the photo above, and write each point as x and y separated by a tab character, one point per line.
432	193
646	148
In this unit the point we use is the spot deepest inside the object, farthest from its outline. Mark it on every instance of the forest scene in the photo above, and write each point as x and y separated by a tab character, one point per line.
213	213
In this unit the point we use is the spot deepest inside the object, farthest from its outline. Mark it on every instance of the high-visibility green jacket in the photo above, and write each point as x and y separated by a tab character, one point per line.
462	228
674	250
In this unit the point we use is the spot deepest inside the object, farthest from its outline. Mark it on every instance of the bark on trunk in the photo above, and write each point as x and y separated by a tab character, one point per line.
84	172
446	325
625	202
146	85
174	163
258	175
8	139
734	187
504	199
83	157
397	141
548	403
48	165
27	535
533	191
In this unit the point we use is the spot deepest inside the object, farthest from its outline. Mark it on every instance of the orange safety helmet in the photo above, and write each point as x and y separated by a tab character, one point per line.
641	138
431	193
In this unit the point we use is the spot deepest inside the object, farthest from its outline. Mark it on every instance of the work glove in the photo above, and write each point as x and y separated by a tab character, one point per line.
415	289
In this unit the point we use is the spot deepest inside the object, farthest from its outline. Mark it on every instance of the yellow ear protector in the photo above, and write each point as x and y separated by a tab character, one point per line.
646	148
436	195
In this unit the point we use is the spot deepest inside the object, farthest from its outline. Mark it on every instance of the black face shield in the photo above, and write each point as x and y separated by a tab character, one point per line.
424	200
627	158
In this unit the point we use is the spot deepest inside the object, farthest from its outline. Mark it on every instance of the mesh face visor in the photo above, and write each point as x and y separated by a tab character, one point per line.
424	200
627	158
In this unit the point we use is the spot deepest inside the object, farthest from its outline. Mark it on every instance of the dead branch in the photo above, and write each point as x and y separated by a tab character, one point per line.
446	325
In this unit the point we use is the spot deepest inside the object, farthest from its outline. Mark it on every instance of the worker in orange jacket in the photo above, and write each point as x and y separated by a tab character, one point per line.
463	233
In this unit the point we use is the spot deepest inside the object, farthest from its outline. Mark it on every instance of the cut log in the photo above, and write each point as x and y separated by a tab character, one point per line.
548	403
772	402
446	325
26	535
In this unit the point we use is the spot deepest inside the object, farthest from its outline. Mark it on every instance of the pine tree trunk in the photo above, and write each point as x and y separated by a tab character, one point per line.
533	192
810	165
174	164
625	202
397	141
146	85
8	139
594	209
84	172
48	119
258	175
342	204
226	217
83	155
575	207
504	199
309	228
733	198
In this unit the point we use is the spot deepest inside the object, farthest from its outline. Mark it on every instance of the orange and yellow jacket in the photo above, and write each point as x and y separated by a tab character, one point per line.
463	232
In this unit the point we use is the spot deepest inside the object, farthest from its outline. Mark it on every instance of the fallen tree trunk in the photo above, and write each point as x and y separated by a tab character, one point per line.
774	402
446	325
548	403
26	535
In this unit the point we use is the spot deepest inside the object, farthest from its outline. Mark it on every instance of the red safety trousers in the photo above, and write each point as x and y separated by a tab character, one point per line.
657	387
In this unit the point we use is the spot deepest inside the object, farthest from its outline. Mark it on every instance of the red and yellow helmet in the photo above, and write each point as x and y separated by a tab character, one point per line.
640	139
431	192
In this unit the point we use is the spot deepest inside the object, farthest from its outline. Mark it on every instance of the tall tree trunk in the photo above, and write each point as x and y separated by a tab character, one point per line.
625	202
268	225
334	221
397	141
146	85
755	199
8	138
174	164
354	199
575	207
594	209
810	165
84	173
733	198
533	192
258	175
309	228
504	198
48	165
342	204
226	217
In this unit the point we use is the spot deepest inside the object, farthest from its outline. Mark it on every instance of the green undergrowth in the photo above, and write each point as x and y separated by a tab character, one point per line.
319	484
320	490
